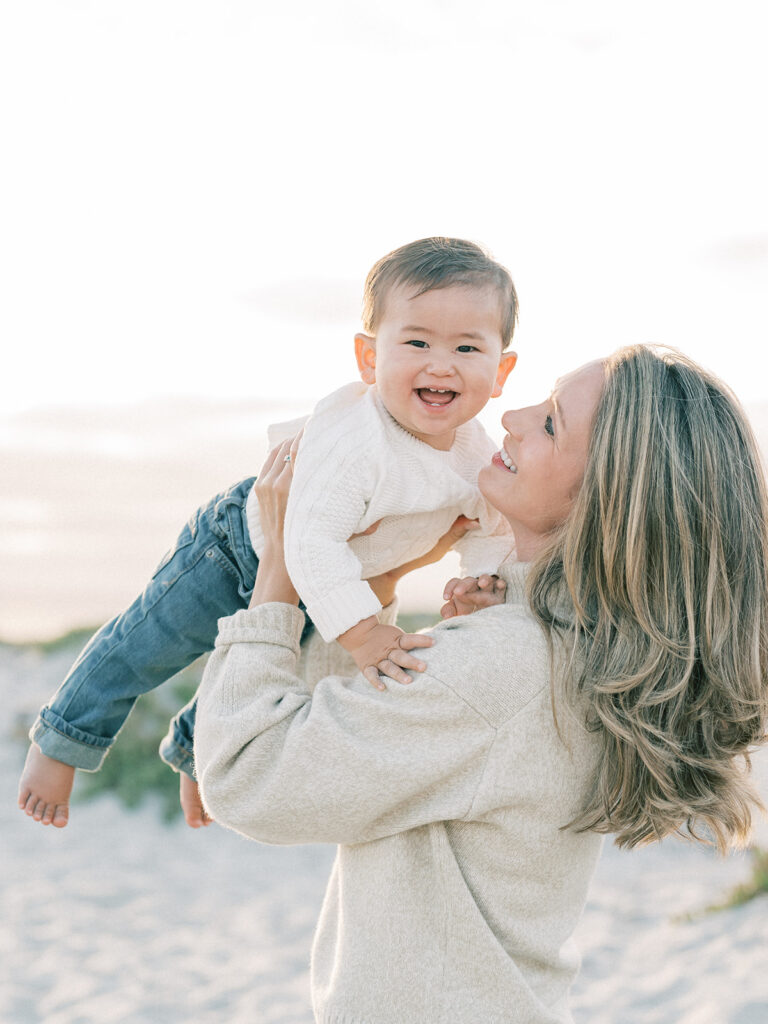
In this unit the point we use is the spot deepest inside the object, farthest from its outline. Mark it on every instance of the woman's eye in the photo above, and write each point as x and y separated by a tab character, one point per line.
549	427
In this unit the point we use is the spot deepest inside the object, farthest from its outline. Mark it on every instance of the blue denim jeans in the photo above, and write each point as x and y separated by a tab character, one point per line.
208	574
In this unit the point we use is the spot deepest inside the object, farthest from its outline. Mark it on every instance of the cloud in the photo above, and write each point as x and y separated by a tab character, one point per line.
308	300
741	250
153	430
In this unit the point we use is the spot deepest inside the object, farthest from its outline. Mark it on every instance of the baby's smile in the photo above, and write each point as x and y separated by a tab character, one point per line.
436	397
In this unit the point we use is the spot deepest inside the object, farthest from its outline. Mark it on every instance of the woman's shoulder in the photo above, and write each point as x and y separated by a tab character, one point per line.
496	660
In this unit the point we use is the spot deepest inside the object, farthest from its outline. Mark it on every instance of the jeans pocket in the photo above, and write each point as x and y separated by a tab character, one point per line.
220	558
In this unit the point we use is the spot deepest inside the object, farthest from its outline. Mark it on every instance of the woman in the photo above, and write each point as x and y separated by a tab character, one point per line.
617	690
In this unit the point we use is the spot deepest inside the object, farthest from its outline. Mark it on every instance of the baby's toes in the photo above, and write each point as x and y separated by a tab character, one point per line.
61	816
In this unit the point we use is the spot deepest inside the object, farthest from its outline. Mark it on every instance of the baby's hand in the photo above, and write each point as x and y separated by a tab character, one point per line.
465	596
383	649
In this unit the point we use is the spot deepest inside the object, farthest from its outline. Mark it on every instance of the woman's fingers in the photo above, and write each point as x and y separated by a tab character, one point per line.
270	461
294	449
281	458
366	533
271	489
460	527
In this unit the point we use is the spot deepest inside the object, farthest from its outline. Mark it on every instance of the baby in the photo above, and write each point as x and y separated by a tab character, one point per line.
384	468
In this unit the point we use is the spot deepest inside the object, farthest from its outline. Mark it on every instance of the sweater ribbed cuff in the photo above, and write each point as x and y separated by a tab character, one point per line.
272	623
343	608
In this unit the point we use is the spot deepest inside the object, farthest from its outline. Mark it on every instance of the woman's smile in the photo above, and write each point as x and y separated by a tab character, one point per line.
548	461
502	461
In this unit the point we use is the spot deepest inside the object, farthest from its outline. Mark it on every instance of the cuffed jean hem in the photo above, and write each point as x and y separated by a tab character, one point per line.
176	756
58	744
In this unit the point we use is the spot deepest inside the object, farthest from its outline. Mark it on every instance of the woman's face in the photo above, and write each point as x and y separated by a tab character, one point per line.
537	473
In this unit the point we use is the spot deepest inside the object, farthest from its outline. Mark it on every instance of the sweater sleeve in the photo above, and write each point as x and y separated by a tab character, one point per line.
343	763
323	513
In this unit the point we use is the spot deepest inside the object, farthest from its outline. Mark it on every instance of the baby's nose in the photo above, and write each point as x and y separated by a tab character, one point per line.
441	365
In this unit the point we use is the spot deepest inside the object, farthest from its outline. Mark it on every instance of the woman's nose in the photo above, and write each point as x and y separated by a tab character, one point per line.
512	423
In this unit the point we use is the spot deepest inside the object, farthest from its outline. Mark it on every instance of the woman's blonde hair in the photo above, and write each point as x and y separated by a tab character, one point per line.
658	586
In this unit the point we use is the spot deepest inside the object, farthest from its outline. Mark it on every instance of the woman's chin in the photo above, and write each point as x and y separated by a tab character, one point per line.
490	483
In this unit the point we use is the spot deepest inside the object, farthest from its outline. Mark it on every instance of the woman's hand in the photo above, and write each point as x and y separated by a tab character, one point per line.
384	585
272	486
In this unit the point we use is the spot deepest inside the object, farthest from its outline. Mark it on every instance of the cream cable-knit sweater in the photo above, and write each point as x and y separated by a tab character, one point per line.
454	893
357	465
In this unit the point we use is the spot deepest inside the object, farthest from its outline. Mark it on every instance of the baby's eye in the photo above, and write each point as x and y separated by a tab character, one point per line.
416	343
549	427
467	348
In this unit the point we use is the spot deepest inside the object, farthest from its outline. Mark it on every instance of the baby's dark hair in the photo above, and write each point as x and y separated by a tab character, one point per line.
432	263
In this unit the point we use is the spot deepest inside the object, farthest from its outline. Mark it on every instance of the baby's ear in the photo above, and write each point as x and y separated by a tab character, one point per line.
506	366
365	352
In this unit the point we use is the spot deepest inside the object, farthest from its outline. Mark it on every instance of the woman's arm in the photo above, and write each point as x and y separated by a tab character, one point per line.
272	487
344	763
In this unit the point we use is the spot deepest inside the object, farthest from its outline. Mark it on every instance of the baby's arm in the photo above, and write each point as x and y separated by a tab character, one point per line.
467	595
384	588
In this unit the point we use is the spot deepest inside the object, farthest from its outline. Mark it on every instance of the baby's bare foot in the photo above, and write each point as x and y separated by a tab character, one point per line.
191	803
45	787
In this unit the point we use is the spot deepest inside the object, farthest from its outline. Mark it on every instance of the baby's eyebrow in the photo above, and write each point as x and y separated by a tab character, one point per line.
472	335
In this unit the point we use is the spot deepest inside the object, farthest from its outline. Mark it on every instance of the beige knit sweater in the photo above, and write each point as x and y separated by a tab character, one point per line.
454	891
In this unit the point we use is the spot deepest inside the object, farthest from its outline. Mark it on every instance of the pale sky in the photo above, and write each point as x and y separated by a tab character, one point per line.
193	192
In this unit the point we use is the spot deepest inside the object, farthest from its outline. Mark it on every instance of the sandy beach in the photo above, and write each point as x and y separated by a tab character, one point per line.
121	918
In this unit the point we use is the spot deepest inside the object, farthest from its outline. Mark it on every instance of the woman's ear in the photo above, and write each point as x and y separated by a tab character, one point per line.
365	352
506	366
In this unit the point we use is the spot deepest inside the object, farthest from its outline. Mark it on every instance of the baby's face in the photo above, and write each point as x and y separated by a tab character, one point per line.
436	358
